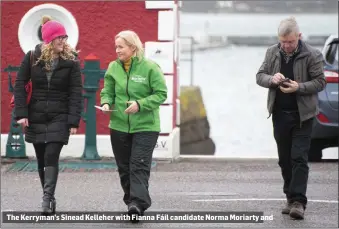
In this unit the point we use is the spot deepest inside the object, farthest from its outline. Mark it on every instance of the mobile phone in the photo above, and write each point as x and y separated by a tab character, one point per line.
283	81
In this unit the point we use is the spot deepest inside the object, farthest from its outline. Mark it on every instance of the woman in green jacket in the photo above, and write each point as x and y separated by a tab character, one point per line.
134	88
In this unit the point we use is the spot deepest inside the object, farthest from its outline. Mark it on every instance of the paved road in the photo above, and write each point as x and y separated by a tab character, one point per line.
184	186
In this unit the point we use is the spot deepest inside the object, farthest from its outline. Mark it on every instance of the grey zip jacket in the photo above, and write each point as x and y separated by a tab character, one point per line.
308	72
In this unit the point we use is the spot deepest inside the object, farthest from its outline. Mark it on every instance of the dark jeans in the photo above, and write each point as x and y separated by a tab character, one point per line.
293	143
133	155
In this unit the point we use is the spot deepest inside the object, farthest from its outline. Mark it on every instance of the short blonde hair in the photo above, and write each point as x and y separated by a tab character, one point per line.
288	26
132	39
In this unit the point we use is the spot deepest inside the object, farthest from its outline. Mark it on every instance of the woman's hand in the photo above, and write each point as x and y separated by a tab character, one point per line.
23	122
133	108
73	130
105	108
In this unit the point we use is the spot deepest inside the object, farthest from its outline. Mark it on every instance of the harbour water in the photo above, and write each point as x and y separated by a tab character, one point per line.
253	24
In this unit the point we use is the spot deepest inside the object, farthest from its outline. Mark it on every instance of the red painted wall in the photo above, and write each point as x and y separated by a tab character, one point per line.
98	23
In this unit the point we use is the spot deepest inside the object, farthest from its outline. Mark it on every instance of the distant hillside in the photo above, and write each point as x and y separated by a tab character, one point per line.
325	6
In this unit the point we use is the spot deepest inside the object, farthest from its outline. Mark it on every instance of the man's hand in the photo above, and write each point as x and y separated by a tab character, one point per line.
23	122
73	130
277	78
133	108
292	86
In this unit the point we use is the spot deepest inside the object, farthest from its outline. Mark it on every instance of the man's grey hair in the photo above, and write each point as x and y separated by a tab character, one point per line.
288	26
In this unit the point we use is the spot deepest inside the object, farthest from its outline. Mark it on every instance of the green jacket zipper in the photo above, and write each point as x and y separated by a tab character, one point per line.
127	105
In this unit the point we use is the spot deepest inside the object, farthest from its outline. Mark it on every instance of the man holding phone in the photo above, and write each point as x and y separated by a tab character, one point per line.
293	72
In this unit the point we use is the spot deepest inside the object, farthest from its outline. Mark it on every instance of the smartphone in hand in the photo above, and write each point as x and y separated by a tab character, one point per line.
283	81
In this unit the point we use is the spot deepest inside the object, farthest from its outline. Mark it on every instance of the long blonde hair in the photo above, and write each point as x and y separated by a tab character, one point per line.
132	39
47	51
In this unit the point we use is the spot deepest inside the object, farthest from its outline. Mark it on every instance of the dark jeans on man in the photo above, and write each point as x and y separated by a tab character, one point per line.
133	155
293	143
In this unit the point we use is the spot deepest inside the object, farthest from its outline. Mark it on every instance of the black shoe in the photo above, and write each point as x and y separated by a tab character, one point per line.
134	212
48	206
49	202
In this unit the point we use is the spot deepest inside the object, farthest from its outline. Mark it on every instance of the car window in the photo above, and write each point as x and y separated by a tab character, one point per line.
332	54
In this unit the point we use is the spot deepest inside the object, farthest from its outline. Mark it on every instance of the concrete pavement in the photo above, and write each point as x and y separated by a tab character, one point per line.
183	186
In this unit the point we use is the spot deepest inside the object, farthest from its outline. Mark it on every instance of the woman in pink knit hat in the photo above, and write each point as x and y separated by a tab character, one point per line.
54	110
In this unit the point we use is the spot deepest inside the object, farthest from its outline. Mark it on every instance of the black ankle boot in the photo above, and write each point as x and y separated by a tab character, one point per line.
134	211
48	200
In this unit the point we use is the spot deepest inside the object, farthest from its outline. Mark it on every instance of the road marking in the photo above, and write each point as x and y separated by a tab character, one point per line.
201	193
263	199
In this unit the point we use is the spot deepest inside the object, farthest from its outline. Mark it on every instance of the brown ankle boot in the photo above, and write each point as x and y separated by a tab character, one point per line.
287	208
297	210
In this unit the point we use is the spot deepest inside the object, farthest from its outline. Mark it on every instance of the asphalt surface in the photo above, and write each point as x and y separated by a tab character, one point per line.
183	186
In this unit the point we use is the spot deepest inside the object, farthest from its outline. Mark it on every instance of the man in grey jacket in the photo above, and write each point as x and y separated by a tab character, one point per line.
293	72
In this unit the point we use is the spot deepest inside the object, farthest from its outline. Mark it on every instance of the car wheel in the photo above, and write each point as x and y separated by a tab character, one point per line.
315	152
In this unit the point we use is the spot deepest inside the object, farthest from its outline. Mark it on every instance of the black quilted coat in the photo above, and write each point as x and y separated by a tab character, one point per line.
53	109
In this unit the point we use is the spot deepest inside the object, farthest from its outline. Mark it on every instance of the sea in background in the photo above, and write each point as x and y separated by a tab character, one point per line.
253	24
236	105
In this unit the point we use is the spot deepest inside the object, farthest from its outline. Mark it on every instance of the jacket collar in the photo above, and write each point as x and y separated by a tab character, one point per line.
302	50
134	59
287	56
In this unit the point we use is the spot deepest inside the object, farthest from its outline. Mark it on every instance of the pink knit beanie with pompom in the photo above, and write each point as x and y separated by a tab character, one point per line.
51	29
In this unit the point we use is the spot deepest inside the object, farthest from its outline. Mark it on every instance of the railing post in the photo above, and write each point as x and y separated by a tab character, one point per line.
15	146
91	85
191	59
